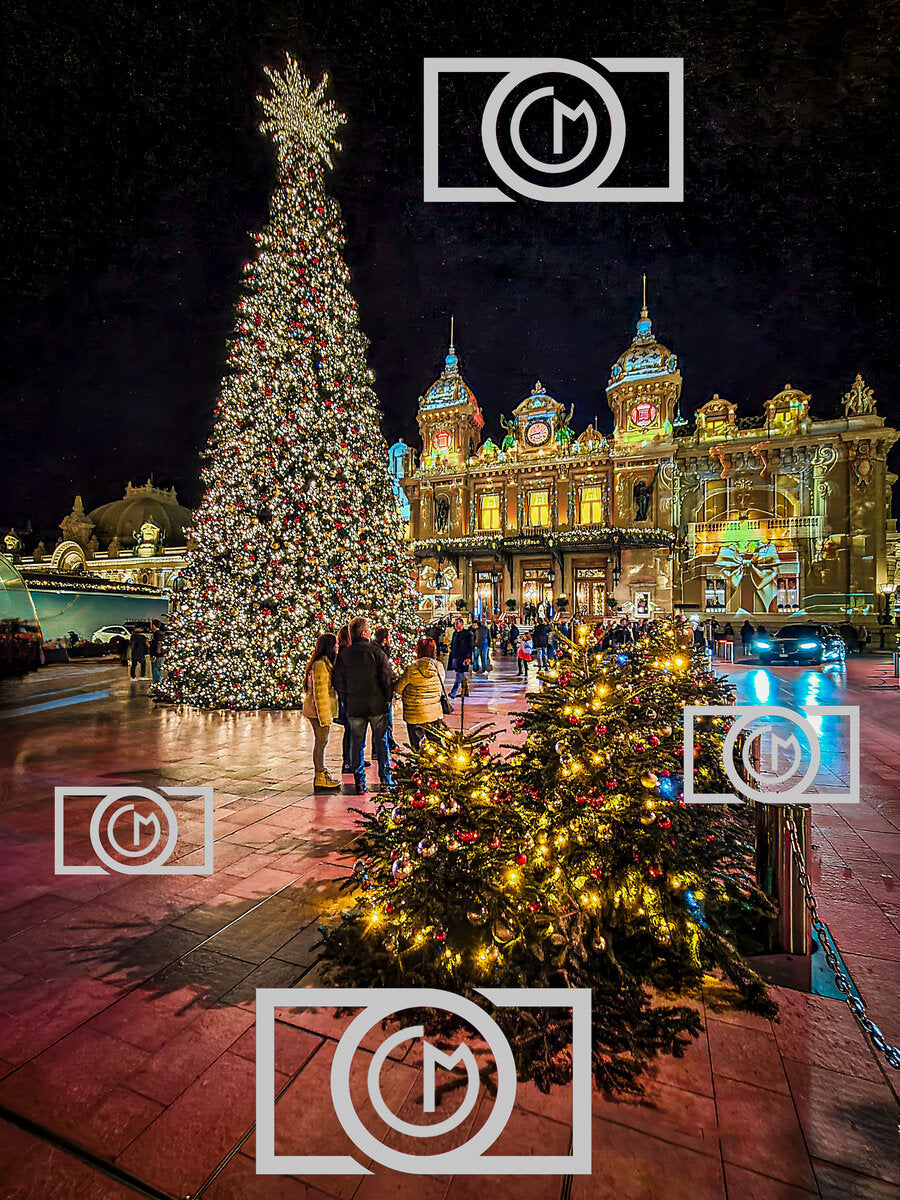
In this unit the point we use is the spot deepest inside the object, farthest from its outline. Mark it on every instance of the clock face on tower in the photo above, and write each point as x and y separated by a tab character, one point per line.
537	433
643	414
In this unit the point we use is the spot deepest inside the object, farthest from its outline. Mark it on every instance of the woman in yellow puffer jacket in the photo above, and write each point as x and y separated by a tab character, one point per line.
320	705
420	687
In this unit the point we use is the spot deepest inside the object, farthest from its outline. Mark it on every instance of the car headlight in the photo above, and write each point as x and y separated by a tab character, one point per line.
761	644
808	646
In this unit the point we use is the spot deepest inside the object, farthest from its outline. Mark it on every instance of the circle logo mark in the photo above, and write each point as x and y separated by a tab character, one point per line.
784	758
601	89
126	829
461	1157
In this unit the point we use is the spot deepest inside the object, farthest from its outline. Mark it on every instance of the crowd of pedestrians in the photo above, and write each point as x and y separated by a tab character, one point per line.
350	680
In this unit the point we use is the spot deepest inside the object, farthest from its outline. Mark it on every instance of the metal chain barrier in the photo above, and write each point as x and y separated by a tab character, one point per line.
843	981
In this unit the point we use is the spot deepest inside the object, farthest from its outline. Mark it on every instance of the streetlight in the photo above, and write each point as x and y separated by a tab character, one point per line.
887	590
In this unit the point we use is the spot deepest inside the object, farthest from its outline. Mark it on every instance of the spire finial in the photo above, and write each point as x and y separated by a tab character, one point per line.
451	362
644	297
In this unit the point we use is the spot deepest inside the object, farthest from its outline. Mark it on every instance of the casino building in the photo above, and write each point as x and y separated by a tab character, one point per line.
770	515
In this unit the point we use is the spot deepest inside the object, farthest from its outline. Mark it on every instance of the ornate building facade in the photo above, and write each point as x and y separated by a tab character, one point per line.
138	540
770	516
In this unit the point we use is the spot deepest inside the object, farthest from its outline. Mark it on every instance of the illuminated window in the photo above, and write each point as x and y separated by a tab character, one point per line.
591	509
490	511
539	507
714	596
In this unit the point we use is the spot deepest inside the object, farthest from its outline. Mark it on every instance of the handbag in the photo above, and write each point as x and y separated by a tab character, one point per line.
446	706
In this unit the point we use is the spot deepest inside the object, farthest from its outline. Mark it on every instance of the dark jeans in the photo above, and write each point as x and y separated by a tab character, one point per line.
138	662
358	727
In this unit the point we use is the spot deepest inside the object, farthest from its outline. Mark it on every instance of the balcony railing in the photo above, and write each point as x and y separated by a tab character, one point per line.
764	528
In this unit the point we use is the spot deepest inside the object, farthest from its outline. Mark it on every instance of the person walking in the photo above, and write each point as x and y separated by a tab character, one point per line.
139	649
420	688
362	678
523	655
482	637
320	705
157	649
462	647
540	636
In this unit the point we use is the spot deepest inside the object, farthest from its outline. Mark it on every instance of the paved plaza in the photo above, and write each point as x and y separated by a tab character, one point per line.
127	1004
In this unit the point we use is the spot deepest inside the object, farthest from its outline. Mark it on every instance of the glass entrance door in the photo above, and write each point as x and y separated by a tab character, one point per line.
590	592
536	587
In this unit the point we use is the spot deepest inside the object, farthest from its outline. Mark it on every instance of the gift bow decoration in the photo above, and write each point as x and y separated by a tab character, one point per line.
761	566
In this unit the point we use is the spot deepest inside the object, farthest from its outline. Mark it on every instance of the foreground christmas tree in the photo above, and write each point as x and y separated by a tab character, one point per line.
573	863
298	530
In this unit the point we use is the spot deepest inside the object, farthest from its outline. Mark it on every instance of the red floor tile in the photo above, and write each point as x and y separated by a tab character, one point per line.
631	1165
760	1131
846	1121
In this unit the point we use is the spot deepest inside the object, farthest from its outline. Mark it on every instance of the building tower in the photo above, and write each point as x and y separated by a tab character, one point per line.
644	389
449	418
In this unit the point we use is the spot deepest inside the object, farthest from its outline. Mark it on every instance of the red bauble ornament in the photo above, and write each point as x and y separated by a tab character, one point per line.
654	740
440	935
389	908
612	784
521	859
599	730
494	843
664	822
654	871
573	720
640	748
596	872
418	801
581	799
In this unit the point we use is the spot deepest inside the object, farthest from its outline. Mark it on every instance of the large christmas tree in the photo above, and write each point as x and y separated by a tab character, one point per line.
574	863
298	530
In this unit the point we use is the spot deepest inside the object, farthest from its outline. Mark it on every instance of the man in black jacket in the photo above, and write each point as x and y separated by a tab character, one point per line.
139	648
539	638
462	647
363	679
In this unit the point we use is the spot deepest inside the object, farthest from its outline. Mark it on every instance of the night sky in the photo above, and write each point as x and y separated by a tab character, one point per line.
134	176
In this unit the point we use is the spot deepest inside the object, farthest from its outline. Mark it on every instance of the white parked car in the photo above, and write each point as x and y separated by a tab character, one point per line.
108	632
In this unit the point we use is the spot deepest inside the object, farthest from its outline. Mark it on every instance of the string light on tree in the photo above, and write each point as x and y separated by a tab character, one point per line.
572	863
298	529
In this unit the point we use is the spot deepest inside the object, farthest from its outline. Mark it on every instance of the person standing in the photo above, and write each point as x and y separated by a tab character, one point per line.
539	639
383	639
139	648
362	678
462	647
523	655
157	649
320	705
346	768
420	686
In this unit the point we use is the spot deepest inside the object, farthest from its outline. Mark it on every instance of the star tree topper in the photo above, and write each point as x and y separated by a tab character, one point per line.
299	115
